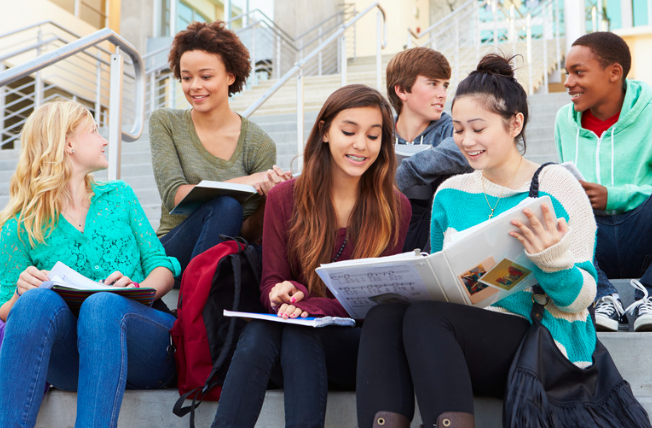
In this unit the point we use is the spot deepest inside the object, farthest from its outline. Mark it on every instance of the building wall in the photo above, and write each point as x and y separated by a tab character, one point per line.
298	16
137	22
400	16
639	40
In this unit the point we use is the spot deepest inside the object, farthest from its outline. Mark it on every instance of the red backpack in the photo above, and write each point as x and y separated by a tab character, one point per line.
226	276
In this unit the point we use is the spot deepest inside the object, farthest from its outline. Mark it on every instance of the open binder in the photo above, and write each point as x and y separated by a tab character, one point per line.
478	267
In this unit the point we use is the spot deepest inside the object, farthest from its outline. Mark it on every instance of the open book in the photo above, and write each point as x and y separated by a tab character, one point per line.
477	266
207	190
74	287
309	321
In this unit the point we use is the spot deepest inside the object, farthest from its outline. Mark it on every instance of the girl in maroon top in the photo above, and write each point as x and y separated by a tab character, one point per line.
343	206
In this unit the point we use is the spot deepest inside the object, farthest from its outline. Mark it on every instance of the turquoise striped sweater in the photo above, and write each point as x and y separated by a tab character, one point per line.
565	271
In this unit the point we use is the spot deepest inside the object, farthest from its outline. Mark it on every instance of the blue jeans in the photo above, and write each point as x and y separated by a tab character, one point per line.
202	229
311	359
624	248
44	340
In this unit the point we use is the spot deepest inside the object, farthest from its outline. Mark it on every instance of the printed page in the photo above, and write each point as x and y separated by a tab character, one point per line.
359	287
64	275
207	190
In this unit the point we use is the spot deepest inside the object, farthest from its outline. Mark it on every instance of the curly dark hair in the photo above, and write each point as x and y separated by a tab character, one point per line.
608	48
217	39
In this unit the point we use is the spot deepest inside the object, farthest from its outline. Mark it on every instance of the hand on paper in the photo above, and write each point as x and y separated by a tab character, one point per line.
538	237
30	278
282	299
117	279
271	178
597	194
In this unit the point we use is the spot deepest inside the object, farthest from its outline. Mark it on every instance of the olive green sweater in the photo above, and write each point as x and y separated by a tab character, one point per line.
179	158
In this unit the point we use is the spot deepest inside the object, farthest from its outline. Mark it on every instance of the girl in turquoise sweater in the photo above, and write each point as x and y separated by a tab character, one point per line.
446	352
57	212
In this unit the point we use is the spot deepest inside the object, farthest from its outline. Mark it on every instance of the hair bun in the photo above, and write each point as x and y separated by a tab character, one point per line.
496	64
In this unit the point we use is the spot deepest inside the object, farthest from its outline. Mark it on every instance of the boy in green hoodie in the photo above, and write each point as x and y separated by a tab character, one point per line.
607	133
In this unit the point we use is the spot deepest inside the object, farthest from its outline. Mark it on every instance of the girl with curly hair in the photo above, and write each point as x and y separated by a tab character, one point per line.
209	141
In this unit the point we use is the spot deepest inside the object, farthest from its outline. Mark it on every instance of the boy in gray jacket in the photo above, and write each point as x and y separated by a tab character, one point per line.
417	81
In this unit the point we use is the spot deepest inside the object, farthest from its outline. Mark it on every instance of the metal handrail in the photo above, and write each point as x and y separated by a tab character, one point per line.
298	67
116	134
448	17
104	35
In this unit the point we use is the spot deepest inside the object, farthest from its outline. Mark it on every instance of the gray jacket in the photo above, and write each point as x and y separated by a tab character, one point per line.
432	165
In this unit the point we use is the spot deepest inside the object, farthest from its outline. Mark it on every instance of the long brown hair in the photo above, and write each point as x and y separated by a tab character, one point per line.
376	215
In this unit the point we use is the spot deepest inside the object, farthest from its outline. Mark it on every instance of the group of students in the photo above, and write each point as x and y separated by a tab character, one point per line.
346	204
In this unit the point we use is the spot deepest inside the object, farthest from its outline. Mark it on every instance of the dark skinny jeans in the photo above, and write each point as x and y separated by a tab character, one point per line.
312	360
442	351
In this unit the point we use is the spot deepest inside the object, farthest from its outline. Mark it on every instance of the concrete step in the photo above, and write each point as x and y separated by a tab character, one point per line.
147	409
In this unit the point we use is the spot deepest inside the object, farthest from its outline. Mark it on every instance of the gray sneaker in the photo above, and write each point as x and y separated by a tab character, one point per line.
609	313
643	309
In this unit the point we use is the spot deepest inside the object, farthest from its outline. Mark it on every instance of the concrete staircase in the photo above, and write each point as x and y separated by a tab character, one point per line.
148	409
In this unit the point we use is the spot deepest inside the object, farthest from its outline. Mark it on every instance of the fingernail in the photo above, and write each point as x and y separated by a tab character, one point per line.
292	300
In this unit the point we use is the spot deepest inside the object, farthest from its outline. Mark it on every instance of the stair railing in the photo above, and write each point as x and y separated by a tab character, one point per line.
338	37
116	133
525	32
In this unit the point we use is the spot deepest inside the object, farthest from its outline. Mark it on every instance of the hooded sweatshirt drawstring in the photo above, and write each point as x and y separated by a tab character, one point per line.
613	128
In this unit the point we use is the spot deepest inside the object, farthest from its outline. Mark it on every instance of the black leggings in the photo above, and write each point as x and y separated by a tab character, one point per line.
442	351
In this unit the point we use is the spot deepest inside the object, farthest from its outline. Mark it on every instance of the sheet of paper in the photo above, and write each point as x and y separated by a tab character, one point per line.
360	288
64	275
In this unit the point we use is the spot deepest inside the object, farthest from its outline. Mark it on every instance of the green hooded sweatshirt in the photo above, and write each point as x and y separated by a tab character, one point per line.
621	160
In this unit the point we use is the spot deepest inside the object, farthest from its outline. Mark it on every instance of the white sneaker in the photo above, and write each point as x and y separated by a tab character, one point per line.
609	313
643	308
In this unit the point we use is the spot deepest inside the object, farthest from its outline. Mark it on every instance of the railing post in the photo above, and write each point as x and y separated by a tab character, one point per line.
544	38
343	58
2	109
277	61
477	33
254	79
152	93
557	48
77	8
530	86
493	14
512	28
38	82
115	115
300	114
457	50
319	59
98	88
379	58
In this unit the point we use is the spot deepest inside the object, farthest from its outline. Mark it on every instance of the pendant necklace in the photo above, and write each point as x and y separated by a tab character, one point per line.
501	191
337	256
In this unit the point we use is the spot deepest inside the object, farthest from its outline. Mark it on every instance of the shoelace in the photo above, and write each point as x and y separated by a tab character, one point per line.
644	305
608	305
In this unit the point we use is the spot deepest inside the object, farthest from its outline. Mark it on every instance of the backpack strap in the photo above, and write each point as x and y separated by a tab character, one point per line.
212	381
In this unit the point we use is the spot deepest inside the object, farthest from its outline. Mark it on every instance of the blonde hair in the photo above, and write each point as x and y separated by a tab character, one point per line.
38	189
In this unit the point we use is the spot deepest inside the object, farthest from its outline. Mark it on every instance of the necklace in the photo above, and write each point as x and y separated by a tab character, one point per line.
501	190
79	222
339	253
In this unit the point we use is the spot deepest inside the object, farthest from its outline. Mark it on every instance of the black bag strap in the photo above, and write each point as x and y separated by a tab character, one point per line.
211	381
537	308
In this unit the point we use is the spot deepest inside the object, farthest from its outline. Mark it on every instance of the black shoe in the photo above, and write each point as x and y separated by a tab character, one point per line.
609	313
641	309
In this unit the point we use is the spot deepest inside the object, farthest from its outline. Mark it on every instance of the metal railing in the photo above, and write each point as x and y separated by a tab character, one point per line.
338	38
273	52
480	27
108	73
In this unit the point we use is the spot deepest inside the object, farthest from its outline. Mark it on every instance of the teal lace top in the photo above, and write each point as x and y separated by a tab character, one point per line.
117	237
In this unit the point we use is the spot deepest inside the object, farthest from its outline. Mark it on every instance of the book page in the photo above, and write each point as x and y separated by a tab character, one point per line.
64	275
360	287
308	321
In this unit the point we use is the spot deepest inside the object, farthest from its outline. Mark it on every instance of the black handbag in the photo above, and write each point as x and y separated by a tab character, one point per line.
544	389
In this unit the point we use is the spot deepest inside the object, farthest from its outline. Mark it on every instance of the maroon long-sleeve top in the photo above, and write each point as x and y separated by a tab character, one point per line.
276	268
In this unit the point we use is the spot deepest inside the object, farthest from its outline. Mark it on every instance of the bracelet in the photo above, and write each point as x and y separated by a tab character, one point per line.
17	293
137	285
